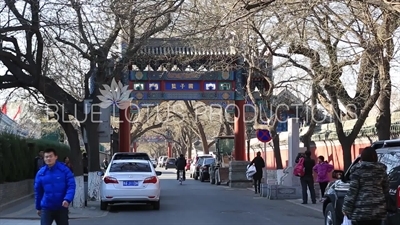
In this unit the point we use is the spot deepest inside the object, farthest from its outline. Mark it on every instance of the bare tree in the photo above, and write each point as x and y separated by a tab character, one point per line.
88	29
328	26
383	22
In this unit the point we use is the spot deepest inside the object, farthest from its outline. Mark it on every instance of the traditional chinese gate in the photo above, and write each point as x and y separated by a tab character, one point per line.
163	74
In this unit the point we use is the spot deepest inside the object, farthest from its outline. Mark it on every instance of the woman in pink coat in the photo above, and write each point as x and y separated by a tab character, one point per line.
323	168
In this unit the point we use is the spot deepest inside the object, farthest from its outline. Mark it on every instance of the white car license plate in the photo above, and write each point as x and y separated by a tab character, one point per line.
130	183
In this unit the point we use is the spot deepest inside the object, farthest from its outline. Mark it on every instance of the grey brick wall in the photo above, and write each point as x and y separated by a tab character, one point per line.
10	192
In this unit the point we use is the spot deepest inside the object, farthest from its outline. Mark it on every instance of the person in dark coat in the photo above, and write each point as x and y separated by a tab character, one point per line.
259	163
365	201
307	180
180	165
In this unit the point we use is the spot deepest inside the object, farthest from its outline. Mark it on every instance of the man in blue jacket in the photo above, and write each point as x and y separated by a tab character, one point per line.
54	190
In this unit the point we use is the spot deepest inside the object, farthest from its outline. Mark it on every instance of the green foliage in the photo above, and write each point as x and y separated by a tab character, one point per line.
17	159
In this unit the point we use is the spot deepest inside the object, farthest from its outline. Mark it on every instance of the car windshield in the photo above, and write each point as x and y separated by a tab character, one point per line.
143	156
122	167
209	161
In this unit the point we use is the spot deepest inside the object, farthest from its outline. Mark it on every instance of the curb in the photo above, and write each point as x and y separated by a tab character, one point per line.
38	218
305	206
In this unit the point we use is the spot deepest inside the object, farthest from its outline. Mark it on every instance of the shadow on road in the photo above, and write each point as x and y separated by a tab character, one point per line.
129	207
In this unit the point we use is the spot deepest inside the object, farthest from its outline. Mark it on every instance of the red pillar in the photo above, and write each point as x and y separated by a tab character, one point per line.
124	130
169	149
240	131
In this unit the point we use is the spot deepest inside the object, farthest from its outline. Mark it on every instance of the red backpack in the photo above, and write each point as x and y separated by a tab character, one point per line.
299	168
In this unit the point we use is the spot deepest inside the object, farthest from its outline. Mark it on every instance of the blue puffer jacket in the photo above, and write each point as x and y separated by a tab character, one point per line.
53	185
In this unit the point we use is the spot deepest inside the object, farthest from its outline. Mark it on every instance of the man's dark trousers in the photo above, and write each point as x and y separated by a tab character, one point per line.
308	182
184	174
48	216
257	184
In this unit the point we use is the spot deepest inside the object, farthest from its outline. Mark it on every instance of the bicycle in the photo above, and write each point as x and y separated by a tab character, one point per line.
180	177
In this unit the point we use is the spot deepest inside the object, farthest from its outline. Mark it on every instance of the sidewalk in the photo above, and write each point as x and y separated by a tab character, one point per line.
317	207
26	211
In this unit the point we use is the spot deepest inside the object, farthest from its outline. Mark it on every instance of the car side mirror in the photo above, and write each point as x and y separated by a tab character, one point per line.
158	173
100	173
337	174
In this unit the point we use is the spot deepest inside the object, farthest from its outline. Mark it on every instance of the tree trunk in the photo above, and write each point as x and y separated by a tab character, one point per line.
190	144
76	160
94	161
203	137
306	138
383	121
307	143
277	149
347	157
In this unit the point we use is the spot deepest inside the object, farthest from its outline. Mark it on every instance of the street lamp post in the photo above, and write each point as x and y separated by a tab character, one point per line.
249	132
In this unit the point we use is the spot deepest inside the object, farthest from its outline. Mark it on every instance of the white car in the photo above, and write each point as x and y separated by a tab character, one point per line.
130	181
154	162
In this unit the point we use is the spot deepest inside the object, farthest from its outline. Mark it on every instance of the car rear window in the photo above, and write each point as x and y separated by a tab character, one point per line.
122	167
131	156
171	160
209	161
392	162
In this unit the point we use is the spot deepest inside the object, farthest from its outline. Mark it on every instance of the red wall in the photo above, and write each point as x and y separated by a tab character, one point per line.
331	150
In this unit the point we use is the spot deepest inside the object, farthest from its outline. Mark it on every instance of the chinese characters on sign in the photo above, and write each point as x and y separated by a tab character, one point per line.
186	86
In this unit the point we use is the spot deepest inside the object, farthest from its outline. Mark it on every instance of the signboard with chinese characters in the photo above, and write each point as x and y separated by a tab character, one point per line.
150	87
181	85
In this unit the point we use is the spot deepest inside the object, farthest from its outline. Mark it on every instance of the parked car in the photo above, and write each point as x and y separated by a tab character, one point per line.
204	168
388	154
130	181
170	164
162	160
154	162
195	166
130	155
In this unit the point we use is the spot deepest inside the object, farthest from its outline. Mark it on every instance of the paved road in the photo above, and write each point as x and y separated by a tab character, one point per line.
197	203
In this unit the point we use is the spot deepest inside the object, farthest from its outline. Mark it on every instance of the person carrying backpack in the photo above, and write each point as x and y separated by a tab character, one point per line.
306	165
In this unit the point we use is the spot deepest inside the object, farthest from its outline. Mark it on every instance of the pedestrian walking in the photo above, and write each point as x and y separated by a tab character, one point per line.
54	190
307	179
323	168
365	202
259	163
